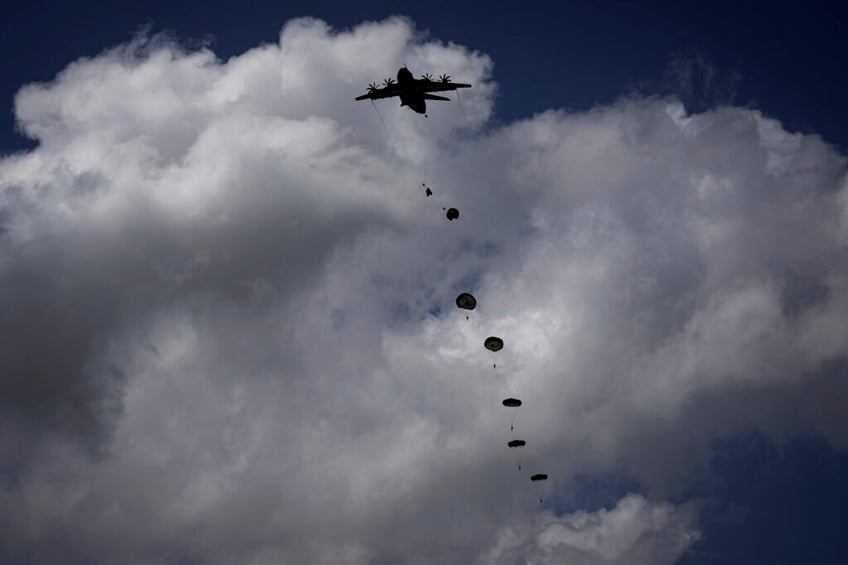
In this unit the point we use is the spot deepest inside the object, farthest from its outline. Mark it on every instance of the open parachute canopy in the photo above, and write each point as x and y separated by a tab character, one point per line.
493	343
512	402
466	301
539	477
452	214
517	443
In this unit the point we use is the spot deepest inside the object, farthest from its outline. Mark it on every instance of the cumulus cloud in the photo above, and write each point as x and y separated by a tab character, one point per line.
228	322
634	531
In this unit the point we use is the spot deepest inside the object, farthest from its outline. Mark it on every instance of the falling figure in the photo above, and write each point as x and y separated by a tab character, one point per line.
516	443
539	477
427	190
466	301
511	403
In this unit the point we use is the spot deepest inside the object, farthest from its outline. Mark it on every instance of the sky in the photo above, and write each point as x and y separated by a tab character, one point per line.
228	308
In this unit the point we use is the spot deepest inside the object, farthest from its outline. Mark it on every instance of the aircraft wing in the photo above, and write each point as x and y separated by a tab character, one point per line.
440	86
386	92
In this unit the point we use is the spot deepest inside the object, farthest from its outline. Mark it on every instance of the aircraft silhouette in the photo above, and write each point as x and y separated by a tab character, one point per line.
413	92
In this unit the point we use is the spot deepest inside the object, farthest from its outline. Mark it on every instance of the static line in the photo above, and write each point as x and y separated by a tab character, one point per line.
382	123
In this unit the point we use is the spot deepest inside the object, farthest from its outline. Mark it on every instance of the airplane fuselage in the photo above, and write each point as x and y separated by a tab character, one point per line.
409	96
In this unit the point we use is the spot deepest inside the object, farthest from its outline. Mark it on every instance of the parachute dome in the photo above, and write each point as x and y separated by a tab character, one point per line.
466	301
493	343
512	402
517	443
539	477
452	214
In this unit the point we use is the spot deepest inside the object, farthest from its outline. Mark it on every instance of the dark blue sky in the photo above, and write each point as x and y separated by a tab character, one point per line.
787	60
762	504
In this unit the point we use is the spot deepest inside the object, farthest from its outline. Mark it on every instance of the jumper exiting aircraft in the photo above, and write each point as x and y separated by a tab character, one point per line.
413	92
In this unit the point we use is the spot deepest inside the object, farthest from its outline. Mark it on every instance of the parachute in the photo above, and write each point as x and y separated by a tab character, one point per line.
513	444
466	301
493	343
512	403
536	478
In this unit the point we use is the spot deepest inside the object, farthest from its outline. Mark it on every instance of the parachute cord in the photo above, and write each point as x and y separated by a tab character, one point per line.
382	123
518	457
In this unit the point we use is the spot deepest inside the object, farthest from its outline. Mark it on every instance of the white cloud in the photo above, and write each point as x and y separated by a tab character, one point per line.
634	531
220	344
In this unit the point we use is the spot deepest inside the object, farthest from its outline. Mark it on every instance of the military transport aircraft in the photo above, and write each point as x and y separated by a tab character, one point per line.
412	91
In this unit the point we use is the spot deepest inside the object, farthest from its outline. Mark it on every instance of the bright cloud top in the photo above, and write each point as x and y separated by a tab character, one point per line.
229	331
634	531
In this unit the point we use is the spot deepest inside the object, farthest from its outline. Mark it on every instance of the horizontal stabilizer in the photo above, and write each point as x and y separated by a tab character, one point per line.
434	97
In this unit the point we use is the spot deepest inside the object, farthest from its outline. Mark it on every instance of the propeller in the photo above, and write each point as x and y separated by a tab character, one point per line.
389	81
427	76
372	87
444	78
